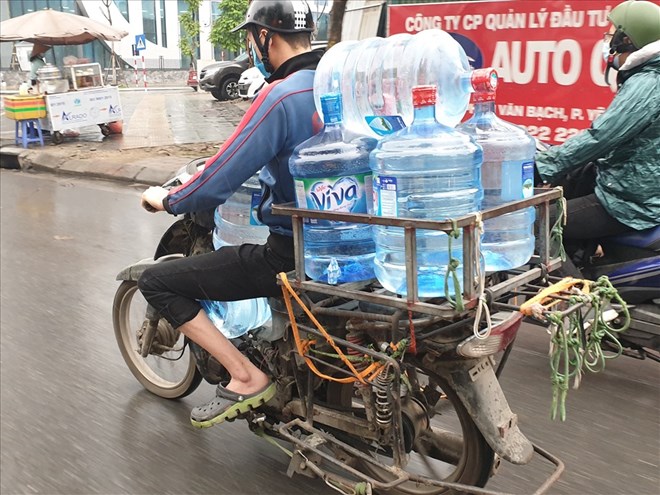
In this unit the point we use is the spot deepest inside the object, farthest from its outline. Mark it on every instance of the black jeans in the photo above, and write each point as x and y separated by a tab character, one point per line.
231	273
587	220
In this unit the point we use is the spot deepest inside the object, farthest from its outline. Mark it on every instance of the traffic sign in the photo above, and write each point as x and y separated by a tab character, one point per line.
140	42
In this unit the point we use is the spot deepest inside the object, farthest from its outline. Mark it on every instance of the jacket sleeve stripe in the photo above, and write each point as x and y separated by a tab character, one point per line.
254	108
195	183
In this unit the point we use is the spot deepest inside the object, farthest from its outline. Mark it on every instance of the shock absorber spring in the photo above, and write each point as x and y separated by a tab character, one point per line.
358	339
383	404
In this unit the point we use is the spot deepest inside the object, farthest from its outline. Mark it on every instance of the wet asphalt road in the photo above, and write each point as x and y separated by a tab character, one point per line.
75	421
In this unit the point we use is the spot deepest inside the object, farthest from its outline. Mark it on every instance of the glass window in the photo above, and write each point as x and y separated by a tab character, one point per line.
185	59
149	20
43	4
69	6
163	25
122	5
322	27
21	7
216	10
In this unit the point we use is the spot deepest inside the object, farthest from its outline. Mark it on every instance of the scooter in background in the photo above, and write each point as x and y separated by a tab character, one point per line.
632	263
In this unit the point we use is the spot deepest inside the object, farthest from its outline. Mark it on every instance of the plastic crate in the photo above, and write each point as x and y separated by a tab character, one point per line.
25	107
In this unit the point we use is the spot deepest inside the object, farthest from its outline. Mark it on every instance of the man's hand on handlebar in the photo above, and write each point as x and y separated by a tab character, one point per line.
152	199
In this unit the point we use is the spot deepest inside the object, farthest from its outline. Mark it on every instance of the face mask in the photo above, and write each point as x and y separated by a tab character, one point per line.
616	62
258	63
606	51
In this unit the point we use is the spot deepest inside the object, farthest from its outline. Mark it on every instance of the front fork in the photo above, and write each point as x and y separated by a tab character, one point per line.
149	327
478	388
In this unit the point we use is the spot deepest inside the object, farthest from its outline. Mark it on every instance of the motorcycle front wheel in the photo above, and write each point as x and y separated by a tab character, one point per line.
169	370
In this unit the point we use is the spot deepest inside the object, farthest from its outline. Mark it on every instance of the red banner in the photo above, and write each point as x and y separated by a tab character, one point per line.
548	55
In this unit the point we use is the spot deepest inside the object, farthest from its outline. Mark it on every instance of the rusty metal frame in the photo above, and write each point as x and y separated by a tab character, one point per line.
434	310
287	430
468	223
394	388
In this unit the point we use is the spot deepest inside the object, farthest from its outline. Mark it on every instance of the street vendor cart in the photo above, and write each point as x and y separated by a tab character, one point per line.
77	98
87	103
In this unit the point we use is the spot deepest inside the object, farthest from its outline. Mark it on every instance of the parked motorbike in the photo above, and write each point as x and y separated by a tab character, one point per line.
422	413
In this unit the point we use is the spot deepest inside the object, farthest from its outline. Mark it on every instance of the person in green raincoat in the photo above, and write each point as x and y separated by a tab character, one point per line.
620	190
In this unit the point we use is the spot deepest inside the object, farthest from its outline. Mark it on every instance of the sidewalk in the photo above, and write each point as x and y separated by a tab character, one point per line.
163	130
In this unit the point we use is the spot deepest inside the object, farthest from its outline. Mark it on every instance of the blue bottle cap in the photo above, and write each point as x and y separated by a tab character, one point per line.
331	108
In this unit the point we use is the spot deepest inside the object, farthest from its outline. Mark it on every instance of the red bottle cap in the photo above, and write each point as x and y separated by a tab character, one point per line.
484	80
424	95
482	96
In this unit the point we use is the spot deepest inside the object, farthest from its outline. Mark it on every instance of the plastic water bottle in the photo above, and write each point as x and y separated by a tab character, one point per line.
331	173
236	220
328	75
376	76
507	174
236	318
236	223
425	171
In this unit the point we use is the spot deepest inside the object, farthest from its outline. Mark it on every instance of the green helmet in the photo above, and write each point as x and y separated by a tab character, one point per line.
639	20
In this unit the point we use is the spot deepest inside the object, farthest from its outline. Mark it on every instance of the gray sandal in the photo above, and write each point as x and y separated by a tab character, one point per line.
228	405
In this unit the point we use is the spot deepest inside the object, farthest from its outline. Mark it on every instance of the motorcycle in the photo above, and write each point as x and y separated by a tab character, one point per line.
632	263
375	393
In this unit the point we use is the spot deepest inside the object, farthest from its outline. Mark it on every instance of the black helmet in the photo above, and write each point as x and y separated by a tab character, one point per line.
281	16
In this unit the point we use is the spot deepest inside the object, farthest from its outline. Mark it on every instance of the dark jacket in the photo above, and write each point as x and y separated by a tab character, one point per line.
624	142
281	117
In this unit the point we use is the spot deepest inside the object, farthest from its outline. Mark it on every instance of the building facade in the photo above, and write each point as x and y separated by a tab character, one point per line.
158	20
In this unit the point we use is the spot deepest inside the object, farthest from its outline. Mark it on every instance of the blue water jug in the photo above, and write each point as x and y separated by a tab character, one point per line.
425	171
331	173
236	223
507	174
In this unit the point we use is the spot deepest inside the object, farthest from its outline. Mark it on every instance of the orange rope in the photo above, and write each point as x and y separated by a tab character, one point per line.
368	373
413	337
543	298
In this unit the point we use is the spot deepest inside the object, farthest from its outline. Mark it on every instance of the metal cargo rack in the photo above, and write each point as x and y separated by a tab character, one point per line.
430	312
540	264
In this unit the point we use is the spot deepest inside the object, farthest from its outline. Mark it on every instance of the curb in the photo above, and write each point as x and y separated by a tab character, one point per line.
10	157
151	171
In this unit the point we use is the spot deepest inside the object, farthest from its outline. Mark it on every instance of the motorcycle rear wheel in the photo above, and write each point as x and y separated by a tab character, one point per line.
171	374
473	463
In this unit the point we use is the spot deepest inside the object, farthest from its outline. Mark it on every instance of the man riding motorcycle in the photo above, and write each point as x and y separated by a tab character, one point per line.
280	118
620	191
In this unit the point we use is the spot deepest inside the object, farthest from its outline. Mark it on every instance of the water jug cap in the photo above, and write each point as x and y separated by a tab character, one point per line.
331	108
484	80
424	95
482	96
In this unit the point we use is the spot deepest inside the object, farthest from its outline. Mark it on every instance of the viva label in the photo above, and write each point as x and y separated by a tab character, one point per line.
347	194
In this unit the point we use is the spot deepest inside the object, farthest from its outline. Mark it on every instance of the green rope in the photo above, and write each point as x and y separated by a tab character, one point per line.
261	432
452	273
362	488
557	231
350	357
565	363
398	352
574	348
602	296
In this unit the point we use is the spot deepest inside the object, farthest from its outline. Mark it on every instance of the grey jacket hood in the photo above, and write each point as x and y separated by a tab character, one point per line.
642	56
